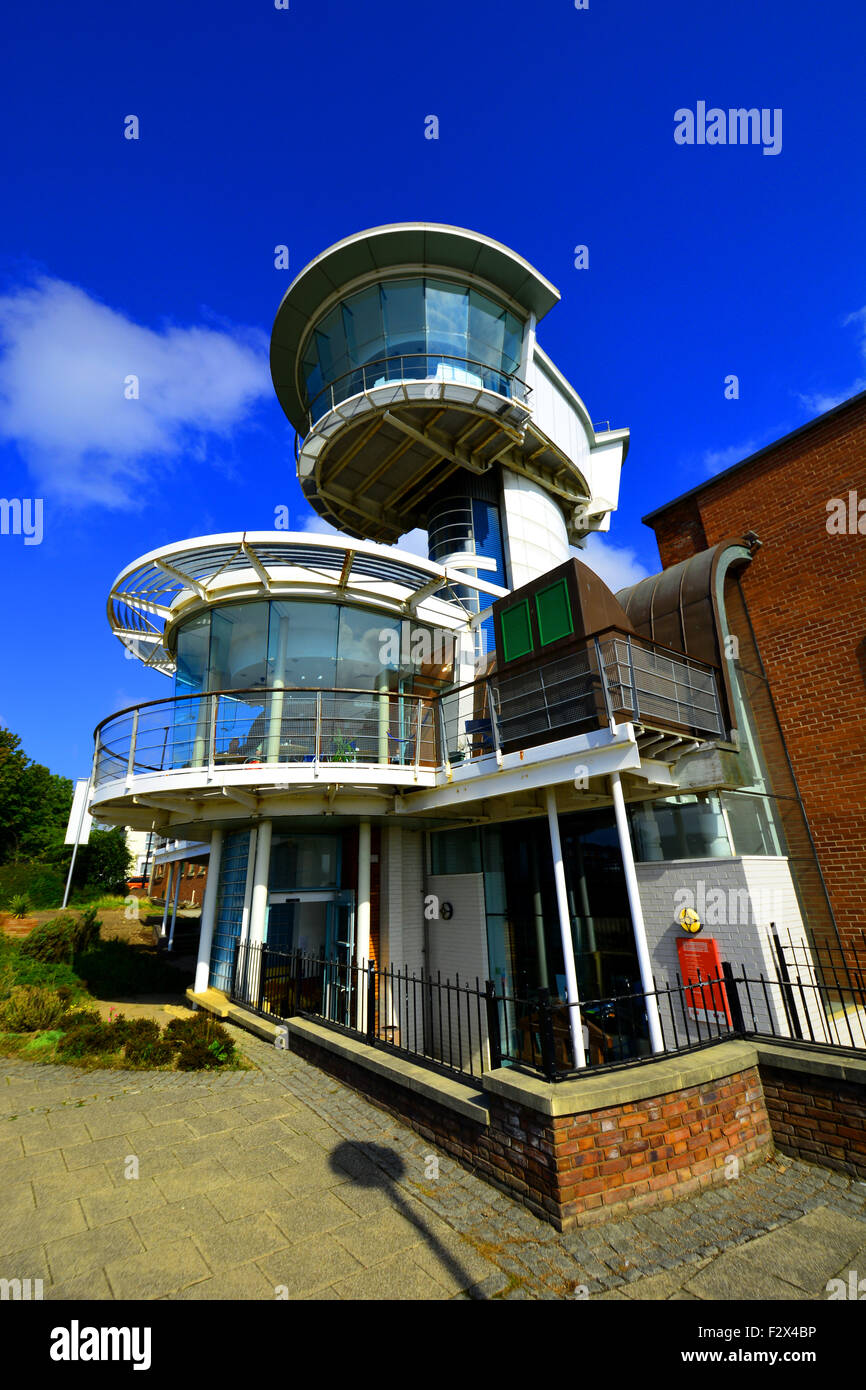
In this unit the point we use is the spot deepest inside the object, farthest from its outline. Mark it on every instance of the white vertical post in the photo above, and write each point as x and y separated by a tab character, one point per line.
574	1023
636	907
208	912
178	877
259	901
384	713
168	886
275	722
258	914
362	937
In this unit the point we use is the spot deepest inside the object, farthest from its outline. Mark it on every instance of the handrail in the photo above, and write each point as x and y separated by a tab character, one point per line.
411	357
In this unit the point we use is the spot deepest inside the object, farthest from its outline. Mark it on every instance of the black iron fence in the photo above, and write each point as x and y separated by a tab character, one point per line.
813	996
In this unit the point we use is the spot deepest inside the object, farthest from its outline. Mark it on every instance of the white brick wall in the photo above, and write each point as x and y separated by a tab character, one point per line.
755	892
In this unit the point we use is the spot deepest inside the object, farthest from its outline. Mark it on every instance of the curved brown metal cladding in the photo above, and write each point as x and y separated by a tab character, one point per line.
679	608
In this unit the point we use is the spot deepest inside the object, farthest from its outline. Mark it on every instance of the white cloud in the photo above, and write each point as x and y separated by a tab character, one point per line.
818	402
717	460
618	566
65	359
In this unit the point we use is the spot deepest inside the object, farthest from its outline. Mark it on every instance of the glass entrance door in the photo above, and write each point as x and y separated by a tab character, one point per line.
318	930
340	990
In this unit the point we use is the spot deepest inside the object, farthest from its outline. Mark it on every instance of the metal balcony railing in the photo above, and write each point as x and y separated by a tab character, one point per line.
245	728
438	367
610	677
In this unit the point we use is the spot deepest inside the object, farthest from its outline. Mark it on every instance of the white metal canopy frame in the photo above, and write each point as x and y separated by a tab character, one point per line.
155	591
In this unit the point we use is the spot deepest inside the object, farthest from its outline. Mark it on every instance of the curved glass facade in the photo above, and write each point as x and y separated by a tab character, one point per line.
301	643
314	679
410	329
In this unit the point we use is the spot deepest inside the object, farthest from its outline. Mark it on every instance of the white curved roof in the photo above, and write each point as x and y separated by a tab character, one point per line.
151	592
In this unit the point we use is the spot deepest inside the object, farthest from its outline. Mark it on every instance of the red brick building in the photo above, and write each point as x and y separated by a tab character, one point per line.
804	610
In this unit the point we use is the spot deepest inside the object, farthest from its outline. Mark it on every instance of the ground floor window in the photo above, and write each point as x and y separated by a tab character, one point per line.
230	907
523	932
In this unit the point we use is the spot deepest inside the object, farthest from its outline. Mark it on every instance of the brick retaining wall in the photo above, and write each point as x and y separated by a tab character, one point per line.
821	1119
590	1165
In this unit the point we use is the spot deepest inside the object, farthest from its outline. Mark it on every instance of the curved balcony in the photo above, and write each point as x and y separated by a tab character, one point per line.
376	441
431	368
266	728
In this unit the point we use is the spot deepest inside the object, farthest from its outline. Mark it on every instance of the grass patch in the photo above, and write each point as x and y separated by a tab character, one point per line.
47	1013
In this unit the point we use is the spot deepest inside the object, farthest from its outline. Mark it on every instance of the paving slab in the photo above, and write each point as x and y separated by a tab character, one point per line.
142	1277
284	1168
309	1266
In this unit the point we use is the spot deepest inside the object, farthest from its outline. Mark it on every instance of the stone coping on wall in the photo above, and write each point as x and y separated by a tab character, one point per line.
599	1090
840	1065
467	1100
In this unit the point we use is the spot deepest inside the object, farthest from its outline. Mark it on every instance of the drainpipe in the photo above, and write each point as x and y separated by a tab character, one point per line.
636	907
574	1023
208	913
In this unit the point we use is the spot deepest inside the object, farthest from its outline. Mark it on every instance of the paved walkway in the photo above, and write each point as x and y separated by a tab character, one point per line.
283	1183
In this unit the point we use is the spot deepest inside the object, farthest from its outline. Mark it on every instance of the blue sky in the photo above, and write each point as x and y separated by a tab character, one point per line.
261	127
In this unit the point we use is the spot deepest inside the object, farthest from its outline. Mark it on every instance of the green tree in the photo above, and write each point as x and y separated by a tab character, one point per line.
105	863
34	803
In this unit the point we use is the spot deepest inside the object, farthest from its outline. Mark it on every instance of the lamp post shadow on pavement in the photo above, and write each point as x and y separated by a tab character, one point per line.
376	1167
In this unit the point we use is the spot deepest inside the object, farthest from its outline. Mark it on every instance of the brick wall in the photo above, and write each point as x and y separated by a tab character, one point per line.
586	1168
805	591
819	1119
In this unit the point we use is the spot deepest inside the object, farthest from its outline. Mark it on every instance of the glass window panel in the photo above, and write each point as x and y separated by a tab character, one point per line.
486	329
362	323
193	642
447	314
304	861
238	651
455	852
403	313
751	824
680	827
512	344
363	648
302	644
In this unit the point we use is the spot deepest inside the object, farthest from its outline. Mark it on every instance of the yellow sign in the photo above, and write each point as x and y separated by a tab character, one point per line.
689	919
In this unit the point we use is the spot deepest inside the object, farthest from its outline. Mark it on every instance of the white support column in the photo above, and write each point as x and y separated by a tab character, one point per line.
208	912
259	903
362	919
178	875
168	887
275	722
574	1023
636	907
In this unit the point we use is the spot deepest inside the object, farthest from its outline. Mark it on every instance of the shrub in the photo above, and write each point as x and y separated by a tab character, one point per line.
51	942
30	1010
86	929
90	1039
73	1017
26	971
196	1056
19	905
148	1050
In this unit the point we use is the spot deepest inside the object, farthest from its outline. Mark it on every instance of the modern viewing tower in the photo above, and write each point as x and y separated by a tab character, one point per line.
333	745
407	361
